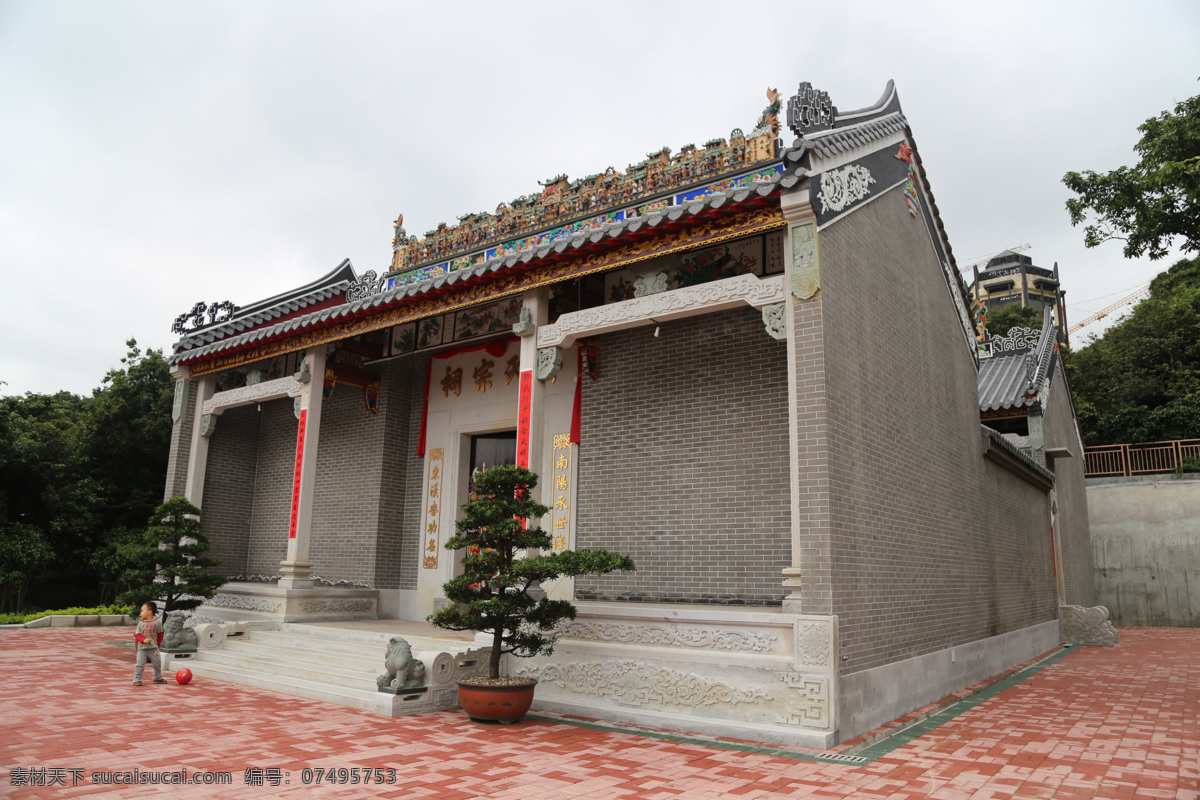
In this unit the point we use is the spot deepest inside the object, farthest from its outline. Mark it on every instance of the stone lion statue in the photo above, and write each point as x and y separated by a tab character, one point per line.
175	636
403	671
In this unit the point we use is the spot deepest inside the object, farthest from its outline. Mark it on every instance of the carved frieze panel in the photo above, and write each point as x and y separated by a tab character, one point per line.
672	635
807	700
814	644
335	605
701	298
1087	626
633	683
253	393
841	187
241	603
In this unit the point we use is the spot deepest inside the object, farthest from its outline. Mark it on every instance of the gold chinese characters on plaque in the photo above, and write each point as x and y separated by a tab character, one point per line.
560	512
433	537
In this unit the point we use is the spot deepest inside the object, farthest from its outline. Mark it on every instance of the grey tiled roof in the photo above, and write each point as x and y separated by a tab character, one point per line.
220	339
1001	442
839	140
1014	380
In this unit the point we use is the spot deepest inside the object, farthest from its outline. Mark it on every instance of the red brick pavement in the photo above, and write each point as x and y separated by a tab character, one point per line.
1100	723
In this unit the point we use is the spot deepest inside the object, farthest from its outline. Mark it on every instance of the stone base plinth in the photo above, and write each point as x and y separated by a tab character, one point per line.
268	602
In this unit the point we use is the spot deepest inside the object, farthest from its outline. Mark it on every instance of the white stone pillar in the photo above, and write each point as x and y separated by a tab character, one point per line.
532	392
296	568
201	430
802	284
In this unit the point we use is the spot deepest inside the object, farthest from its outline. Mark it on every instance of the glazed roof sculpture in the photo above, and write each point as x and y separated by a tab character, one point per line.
661	205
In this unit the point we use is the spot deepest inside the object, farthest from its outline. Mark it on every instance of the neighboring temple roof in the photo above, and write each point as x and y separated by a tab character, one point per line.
1020	366
822	133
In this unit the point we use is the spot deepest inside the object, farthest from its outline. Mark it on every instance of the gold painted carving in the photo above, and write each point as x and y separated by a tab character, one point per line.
706	233
433	537
560	518
806	265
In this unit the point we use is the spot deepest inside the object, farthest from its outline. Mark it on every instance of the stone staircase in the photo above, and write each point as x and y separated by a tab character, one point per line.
334	664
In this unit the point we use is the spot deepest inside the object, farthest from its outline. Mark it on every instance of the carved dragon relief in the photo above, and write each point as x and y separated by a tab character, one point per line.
674	635
633	683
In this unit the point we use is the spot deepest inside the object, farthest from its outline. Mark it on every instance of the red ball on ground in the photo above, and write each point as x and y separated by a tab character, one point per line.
184	676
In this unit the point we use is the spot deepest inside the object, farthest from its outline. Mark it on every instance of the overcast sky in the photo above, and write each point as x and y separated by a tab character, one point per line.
153	155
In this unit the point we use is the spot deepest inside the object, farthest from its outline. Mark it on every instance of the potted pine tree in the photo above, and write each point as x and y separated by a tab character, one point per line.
498	531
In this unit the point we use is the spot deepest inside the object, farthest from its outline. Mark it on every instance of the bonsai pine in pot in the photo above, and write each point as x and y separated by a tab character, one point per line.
493	595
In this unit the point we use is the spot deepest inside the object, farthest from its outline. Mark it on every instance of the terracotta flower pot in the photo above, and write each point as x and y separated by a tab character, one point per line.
503	702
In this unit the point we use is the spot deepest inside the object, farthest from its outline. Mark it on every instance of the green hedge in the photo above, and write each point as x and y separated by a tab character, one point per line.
11	619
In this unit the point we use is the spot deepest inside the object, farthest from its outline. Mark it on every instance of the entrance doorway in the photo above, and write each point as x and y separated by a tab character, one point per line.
491	450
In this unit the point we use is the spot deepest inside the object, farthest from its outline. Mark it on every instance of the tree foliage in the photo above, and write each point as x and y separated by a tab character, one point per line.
493	593
24	551
82	470
1141	381
168	560
1151	203
1012	315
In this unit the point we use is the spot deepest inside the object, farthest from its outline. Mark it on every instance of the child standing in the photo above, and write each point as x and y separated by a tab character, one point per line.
149	636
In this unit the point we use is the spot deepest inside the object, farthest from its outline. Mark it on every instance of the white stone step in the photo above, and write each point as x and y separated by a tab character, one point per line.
351	678
280	649
365	699
307	647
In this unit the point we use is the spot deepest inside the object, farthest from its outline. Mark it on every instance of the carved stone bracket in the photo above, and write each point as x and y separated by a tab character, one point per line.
675	304
296	407
775	319
524	326
208	424
650	284
1087	626
181	398
550	361
254	393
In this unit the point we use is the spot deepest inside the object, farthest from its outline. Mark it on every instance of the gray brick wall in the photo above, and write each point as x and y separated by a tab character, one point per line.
229	488
683	463
181	447
393	551
1058	429
271	511
346	502
929	545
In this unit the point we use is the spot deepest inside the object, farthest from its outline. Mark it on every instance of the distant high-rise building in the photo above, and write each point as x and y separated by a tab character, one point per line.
1012	278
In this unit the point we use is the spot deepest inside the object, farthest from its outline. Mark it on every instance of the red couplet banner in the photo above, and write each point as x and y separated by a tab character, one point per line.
296	475
523	408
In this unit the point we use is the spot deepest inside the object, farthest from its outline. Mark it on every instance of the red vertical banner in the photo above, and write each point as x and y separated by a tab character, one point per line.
296	475
523	411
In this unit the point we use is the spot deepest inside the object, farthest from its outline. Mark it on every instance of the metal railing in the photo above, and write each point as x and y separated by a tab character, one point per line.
1138	459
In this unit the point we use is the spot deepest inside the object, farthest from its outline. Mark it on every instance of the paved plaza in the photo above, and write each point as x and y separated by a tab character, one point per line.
1116	722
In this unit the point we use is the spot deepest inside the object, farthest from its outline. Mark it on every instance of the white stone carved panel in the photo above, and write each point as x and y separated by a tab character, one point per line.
244	603
633	683
841	187
677	303
814	644
254	393
674	635
335	606
807	702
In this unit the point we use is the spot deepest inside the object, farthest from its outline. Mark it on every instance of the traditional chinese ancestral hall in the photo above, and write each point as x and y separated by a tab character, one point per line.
703	359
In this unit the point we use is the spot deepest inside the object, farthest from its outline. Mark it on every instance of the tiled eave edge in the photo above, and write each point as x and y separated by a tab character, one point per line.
252	322
741	212
1008	456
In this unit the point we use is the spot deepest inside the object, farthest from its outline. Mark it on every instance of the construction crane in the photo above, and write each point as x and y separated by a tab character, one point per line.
1017	249
1104	312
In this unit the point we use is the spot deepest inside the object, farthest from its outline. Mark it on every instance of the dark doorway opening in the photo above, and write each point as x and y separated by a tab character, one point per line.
490	450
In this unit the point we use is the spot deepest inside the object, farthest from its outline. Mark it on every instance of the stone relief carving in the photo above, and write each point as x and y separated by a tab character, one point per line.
775	319
670	636
524	326
650	284
808	701
181	393
244	603
678	636
841	187
814	644
1087	626
806	273
334	605
550	361
632	683
253	393
749	289
296	407
208	424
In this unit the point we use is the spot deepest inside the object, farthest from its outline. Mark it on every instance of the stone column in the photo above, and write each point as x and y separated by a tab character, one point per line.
297	569
202	428
805	391
532	391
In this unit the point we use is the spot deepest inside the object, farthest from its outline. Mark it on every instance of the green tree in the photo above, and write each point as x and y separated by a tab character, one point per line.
493	593
24	552
169	562
129	437
1012	315
1150	204
1140	382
